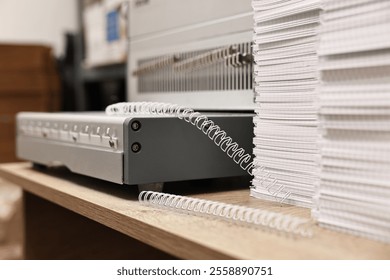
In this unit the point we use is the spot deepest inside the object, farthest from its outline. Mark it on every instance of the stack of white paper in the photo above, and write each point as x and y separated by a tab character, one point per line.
354	192
286	80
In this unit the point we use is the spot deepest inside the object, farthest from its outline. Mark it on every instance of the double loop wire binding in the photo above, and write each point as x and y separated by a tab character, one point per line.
202	122
259	218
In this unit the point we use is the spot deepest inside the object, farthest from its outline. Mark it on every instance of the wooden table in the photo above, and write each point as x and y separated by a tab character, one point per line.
70	216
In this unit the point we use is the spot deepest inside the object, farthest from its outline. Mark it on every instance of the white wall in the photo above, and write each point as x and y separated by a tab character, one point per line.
37	21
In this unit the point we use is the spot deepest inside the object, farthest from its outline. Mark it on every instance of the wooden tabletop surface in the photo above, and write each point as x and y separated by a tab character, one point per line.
187	236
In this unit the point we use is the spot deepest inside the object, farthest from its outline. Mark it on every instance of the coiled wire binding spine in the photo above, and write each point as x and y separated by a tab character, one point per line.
249	216
259	218
202	122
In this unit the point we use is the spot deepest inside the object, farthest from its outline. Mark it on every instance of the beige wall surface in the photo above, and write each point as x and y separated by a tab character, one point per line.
38	21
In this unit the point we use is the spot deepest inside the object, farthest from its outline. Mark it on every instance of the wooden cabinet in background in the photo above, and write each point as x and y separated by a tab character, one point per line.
28	82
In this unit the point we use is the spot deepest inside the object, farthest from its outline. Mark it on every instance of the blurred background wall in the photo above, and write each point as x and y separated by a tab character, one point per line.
38	22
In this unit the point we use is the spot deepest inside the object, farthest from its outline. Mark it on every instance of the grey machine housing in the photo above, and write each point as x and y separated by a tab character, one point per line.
134	150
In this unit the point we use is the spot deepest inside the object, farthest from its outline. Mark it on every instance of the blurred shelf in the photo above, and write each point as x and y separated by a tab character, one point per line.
87	78
107	72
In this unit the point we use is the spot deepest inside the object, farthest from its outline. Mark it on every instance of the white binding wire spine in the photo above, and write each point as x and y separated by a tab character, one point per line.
258	218
250	216
202	122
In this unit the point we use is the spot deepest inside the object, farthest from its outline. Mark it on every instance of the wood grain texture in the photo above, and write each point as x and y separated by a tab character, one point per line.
29	81
187	236
17	57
